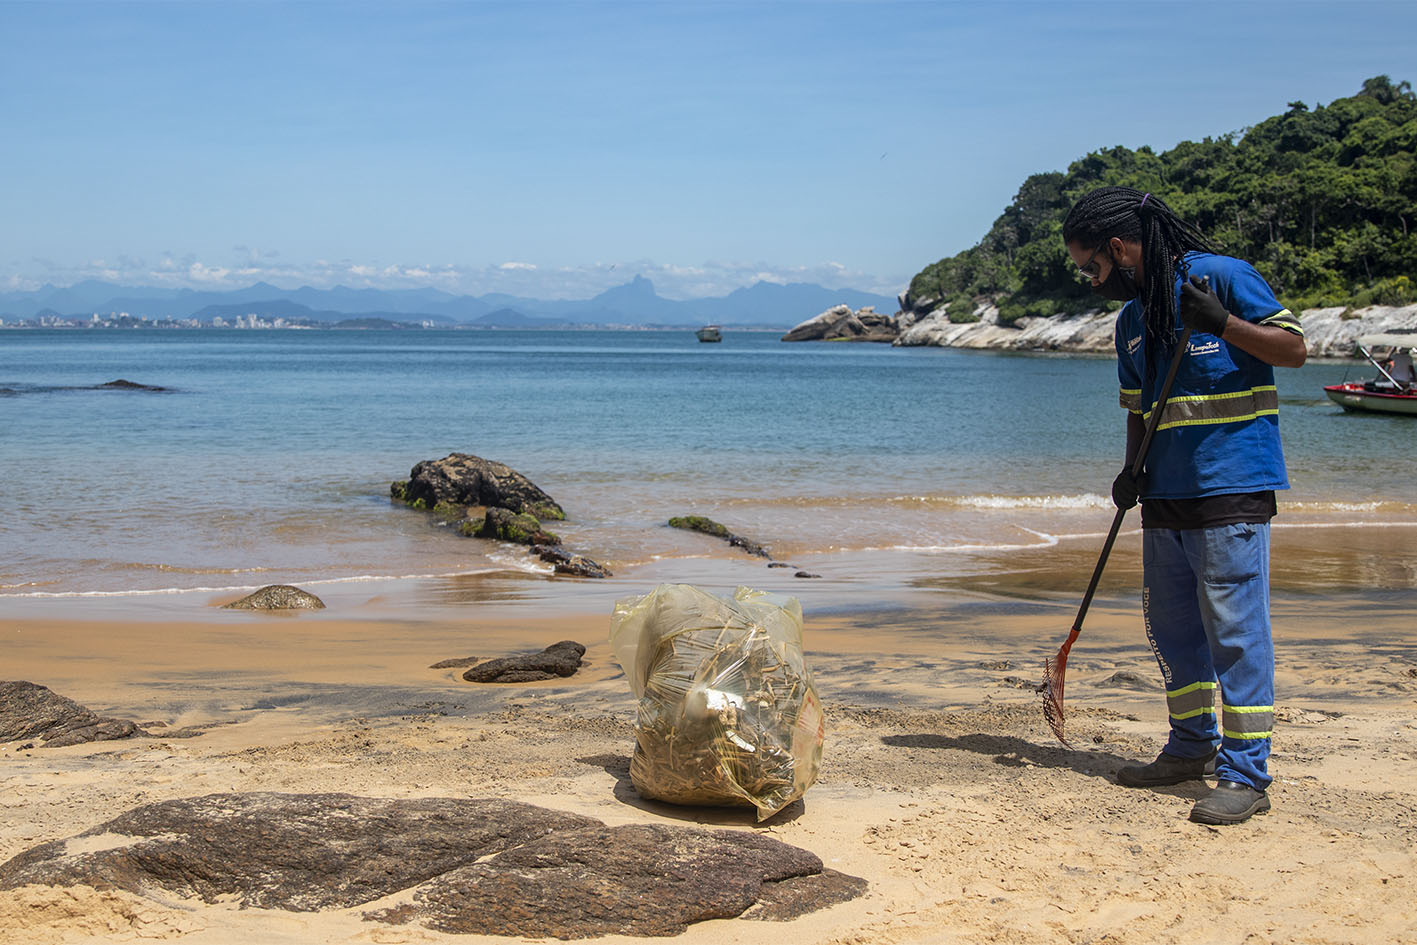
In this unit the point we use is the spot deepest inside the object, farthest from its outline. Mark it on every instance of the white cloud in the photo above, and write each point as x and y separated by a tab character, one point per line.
671	280
206	275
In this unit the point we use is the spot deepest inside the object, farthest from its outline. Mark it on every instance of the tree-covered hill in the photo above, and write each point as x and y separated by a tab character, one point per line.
1323	202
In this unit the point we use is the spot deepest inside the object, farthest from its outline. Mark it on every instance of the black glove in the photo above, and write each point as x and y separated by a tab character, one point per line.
1201	309
1126	488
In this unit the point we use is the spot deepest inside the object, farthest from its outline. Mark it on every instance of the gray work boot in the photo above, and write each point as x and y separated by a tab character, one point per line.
1167	769
1230	803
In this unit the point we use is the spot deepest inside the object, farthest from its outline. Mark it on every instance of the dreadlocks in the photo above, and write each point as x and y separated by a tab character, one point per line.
1164	237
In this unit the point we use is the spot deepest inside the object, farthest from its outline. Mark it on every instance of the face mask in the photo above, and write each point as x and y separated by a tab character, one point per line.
1120	284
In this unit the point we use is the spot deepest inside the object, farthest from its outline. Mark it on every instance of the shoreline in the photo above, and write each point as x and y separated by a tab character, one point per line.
941	784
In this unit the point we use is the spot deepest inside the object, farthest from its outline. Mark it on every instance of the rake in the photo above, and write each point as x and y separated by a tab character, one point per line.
1055	668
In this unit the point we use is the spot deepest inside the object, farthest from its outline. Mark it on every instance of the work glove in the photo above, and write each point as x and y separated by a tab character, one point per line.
1201	309
1126	488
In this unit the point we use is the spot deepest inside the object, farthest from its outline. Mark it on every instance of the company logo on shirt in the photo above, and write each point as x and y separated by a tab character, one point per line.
1132	344
1208	347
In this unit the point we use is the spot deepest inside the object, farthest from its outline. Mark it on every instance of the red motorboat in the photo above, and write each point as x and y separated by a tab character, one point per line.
1394	390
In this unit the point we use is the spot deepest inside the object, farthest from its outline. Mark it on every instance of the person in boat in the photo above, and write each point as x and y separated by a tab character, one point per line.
1399	367
1207	492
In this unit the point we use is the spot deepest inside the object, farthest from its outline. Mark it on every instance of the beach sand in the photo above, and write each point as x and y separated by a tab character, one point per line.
941	785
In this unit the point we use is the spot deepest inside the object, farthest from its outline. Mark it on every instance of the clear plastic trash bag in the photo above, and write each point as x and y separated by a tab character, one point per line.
728	713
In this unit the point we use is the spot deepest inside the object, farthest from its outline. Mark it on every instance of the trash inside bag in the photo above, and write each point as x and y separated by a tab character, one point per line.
728	713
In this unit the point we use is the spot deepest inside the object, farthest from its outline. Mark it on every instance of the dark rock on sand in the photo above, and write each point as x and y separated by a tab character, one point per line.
558	659
29	710
699	523
474	866
277	597
465	480
301	852
1126	679
637	879
570	564
806	574
457	663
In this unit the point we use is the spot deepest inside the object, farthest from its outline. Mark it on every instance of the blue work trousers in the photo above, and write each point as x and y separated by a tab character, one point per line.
1205	601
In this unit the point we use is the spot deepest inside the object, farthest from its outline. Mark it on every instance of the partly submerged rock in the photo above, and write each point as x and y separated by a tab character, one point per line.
121	384
700	523
461	479
277	597
574	565
506	525
489	867
29	710
558	659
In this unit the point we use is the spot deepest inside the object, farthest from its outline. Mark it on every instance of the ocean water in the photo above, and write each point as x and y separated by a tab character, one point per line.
268	456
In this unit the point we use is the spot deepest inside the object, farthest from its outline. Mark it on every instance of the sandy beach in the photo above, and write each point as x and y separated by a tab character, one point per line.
941	785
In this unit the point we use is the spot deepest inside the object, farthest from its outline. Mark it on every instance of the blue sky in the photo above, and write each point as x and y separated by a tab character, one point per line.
557	149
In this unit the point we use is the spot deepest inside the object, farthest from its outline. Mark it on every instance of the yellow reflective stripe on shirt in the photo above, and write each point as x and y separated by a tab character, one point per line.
1247	721
1190	701
1284	319
1201	409
1130	399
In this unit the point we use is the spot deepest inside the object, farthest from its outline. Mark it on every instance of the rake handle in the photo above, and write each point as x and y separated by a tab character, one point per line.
1137	464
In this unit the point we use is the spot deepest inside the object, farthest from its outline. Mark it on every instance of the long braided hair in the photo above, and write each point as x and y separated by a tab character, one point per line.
1165	238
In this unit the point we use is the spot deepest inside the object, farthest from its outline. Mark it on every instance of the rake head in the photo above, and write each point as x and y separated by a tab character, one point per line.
1054	670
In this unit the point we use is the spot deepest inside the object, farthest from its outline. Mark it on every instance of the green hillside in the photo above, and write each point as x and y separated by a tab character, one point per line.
1323	202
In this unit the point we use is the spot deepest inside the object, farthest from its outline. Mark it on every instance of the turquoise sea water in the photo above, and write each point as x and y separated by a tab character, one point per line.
268	457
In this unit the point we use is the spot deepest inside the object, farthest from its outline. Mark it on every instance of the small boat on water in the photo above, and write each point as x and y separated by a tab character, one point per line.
1394	390
709	333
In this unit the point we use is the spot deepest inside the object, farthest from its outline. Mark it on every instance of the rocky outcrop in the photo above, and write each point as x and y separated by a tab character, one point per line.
277	597
488	867
1090	331
707	526
557	660
840	323
1334	332
483	499
29	710
1328	332
461	479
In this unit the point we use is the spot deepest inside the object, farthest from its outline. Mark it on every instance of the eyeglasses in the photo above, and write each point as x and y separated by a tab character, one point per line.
1086	270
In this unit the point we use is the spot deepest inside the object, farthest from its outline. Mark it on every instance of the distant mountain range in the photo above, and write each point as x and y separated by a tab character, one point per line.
634	303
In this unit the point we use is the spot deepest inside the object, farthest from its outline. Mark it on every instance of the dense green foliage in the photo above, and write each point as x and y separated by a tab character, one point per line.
1323	202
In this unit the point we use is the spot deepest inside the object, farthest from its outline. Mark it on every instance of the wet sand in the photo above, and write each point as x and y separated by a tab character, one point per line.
941	785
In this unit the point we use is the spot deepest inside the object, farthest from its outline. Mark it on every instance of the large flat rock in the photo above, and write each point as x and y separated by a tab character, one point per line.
29	710
471	866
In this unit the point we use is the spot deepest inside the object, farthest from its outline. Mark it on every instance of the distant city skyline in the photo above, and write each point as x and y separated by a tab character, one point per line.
556	150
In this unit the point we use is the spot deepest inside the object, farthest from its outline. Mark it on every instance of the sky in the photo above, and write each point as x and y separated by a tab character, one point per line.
556	150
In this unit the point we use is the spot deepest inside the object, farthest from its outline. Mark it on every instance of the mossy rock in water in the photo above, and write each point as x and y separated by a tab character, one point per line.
467	480
520	528
698	523
449	512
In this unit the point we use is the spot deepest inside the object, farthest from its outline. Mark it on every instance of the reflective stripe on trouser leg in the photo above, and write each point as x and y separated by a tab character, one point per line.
1171	614
1230	565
